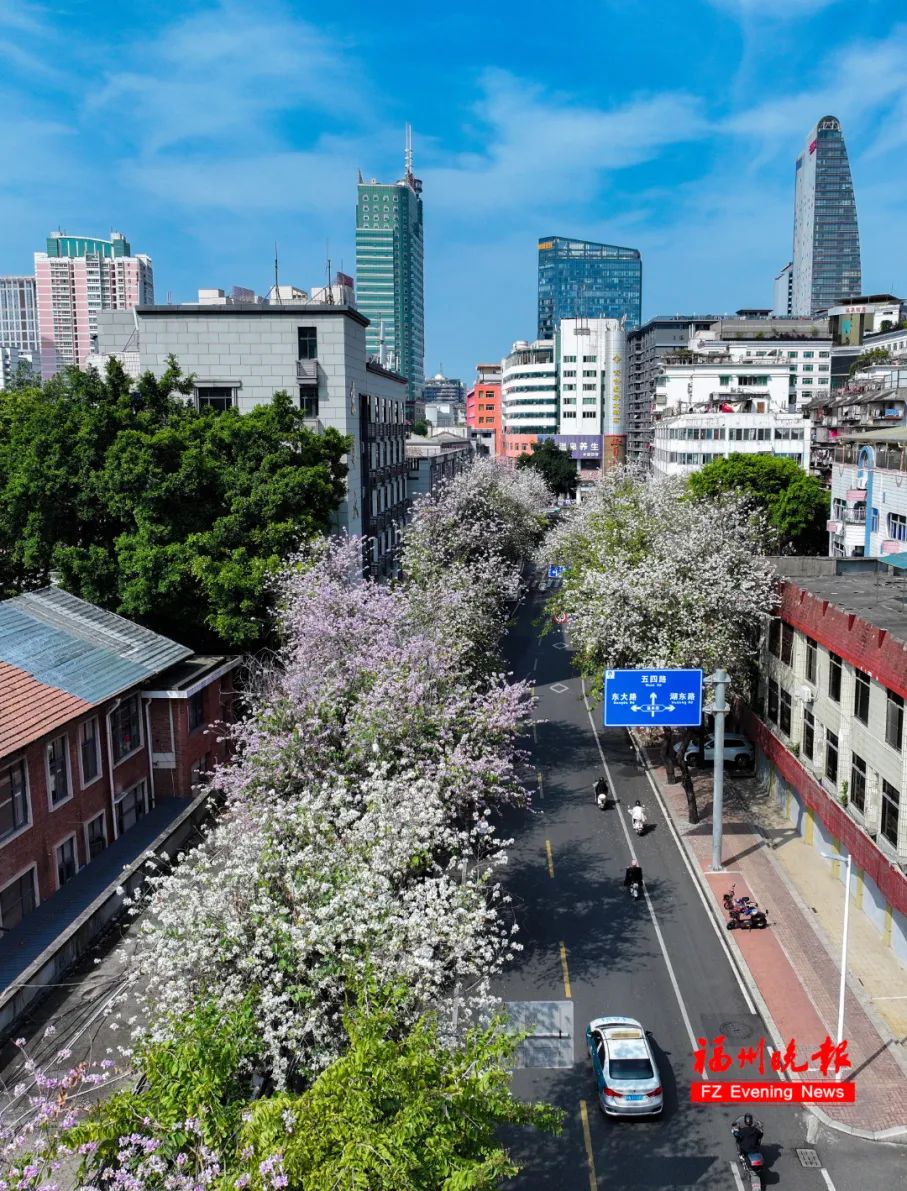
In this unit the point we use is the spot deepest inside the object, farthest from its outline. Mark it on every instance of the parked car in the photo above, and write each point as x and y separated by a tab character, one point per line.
738	752
625	1068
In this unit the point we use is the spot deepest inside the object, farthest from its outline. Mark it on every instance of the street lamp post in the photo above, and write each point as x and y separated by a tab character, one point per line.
849	861
720	679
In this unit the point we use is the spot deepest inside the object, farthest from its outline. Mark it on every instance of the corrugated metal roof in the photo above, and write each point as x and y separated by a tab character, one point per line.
29	709
75	647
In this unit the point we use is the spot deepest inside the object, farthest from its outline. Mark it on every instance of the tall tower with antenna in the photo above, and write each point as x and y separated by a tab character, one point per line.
389	270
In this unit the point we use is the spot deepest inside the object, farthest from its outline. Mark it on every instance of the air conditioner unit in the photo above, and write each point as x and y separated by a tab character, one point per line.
807	694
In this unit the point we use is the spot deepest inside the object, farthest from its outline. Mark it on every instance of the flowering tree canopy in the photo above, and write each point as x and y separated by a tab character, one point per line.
654	579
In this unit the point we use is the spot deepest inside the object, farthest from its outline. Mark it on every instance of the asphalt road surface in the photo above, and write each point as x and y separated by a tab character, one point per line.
661	960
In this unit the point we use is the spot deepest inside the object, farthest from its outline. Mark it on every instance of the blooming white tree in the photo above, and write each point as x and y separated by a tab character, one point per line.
654	579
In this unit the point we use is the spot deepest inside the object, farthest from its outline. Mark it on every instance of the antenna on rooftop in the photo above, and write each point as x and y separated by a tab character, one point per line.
276	276
329	289
408	152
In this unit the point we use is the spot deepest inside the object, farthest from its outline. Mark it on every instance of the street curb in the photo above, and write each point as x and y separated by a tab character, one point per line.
898	1134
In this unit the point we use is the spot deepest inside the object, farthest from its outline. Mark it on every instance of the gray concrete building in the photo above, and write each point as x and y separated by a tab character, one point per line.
240	355
646	347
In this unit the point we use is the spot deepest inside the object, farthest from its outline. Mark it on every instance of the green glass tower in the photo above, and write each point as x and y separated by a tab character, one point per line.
389	256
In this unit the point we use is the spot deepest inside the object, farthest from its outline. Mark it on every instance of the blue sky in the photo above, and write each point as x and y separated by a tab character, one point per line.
207	130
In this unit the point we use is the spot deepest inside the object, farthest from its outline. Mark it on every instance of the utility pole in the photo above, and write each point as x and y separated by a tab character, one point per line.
720	679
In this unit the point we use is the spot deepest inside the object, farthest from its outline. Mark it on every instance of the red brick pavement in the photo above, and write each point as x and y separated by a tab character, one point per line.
788	966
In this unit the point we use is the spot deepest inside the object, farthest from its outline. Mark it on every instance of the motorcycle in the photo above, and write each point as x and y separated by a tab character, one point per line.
635	890
600	790
638	817
747	918
731	902
753	1166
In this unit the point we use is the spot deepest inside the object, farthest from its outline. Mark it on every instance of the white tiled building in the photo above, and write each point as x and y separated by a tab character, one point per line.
869	495
686	443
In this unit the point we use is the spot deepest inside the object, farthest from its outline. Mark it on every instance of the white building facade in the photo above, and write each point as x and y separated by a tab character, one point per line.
529	396
869	495
592	376
688	442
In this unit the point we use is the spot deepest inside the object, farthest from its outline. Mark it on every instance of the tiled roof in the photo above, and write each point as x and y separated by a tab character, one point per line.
60	654
30	709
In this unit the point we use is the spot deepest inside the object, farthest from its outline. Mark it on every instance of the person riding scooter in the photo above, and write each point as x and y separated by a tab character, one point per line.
601	793
747	1133
633	875
638	817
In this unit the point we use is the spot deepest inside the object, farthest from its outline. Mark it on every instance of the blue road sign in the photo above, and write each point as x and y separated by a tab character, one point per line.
555	572
653	698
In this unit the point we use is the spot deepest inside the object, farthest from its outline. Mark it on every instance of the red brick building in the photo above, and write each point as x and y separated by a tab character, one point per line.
100	719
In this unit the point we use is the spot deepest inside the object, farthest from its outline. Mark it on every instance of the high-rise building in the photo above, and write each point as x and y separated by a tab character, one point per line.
443	388
783	292
579	279
77	277
19	316
389	273
826	264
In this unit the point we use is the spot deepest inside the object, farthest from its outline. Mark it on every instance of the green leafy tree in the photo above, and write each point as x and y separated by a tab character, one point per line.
172	516
554	465
873	355
399	1112
795	504
421	427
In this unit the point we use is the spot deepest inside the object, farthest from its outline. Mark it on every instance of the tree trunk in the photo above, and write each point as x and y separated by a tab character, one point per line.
688	789
667	755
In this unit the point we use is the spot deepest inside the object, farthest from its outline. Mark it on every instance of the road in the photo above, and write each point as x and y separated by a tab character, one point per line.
662	961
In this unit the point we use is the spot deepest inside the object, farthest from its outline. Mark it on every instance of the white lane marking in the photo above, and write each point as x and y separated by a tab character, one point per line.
827	1177
664	951
735	1171
750	1003
535	665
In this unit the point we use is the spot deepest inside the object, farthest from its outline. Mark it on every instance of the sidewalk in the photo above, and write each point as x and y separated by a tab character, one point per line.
793	967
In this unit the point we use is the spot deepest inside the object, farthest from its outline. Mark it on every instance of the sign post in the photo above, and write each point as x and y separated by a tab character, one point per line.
652	699
720	679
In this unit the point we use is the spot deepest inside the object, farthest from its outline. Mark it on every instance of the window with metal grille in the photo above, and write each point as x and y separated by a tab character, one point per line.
894	721
834	677
67	865
831	756
57	771
811	668
891	798
858	782
14	808
784	717
808	746
126	728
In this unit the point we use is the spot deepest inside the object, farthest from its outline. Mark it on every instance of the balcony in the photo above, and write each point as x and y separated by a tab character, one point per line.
307	370
855	516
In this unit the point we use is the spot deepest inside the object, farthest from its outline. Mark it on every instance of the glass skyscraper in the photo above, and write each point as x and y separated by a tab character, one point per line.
826	265
389	255
579	279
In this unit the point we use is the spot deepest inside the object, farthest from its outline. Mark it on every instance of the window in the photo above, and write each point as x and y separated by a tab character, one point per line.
897	526
807	367
890	804
89	751
589	372
772	701
200	769
65	855
858	782
570	360
834	677
787	643
861	696
13	799
216	397
130	807
894	722
808	355
590	359
589	387
308	343
724	380
95	836
810	660
126	728
57	771
196	710
808	747
308	400
785	712
17	899
831	756
774	637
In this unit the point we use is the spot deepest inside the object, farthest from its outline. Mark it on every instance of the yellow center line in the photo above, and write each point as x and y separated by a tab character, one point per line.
587	1139
566	973
550	858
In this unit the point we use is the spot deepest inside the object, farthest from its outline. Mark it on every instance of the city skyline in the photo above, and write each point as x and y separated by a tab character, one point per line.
694	170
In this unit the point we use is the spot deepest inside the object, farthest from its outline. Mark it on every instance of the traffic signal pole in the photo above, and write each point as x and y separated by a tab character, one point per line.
720	679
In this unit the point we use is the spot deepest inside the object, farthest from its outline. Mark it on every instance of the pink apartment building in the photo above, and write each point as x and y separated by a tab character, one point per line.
75	278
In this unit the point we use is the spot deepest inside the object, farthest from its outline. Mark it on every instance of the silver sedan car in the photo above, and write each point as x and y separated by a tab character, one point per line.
625	1067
